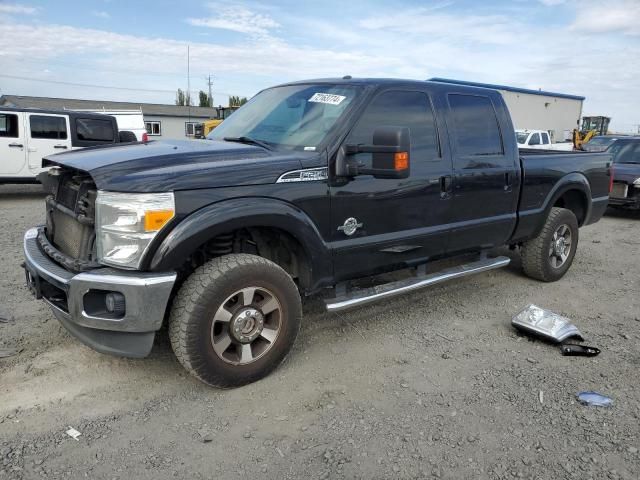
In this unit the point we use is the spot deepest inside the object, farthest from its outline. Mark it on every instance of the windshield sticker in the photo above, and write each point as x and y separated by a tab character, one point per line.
327	98
309	149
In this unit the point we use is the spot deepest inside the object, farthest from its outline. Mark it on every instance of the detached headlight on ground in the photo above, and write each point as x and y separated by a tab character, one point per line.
127	222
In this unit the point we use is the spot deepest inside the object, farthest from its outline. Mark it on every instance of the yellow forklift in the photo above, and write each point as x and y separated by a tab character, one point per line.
203	129
591	126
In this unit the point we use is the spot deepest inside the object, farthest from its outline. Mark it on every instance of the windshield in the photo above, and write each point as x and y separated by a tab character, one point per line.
521	137
602	141
627	152
294	117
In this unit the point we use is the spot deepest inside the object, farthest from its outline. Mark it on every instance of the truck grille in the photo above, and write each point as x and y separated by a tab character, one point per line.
70	214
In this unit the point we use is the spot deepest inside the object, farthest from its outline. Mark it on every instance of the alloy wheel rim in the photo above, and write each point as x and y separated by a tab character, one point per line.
246	325
560	247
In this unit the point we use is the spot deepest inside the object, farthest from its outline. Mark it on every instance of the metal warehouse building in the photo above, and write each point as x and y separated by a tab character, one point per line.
558	113
162	121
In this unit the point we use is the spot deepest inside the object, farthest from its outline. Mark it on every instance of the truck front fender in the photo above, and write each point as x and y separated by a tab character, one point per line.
230	215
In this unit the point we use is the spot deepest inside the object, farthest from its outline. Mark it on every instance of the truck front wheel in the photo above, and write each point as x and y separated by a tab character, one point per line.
234	320
548	256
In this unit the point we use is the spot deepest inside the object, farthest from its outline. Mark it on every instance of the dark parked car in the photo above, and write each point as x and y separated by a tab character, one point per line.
626	178
600	143
308	186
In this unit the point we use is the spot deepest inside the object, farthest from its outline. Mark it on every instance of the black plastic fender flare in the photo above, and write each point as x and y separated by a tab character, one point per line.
228	215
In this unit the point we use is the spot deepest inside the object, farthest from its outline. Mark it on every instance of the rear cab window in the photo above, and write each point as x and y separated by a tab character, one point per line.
49	127
95	130
475	125
9	125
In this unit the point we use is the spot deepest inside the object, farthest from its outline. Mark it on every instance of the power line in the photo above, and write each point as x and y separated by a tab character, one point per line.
88	85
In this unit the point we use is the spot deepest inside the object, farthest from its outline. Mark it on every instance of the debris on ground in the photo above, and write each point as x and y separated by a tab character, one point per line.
73	433
545	323
575	350
594	399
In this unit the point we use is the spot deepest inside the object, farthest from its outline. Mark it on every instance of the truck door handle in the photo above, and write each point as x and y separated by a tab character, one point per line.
60	146
508	181
16	145
445	186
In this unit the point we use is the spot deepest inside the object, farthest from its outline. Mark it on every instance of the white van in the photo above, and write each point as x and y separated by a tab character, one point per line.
128	120
27	135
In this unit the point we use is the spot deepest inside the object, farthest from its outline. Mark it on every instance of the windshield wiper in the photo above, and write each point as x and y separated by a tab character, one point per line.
249	141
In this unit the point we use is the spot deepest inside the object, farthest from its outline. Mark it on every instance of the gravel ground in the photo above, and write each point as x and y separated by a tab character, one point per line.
436	384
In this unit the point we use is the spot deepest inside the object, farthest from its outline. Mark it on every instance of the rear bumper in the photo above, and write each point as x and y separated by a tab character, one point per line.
70	296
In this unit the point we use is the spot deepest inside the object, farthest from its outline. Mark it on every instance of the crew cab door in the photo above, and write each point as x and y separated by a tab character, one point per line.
47	134
12	143
486	172
397	221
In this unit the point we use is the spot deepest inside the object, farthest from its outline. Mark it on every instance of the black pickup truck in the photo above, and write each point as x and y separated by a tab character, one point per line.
307	187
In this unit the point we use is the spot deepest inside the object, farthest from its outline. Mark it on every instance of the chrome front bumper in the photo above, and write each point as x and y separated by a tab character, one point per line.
132	334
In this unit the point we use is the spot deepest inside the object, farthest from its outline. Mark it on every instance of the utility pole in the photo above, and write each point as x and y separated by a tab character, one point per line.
210	83
189	83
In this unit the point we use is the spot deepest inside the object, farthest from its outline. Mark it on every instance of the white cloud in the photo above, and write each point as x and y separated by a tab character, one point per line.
237	18
101	14
16	8
599	18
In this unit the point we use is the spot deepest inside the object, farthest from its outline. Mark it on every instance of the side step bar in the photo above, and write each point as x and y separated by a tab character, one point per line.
388	290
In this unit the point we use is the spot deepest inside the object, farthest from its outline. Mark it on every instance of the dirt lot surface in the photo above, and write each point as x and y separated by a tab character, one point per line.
436	384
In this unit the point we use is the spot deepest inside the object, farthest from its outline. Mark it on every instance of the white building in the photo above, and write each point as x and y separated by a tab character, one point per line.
559	113
161	121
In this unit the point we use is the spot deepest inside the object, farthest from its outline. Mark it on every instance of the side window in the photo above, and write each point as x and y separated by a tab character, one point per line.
153	128
96	130
535	139
629	153
475	125
48	127
545	138
405	109
8	125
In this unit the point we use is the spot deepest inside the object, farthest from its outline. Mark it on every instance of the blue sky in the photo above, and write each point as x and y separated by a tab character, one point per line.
139	49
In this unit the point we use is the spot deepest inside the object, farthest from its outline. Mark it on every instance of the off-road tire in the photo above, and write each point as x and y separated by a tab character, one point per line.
534	253
199	297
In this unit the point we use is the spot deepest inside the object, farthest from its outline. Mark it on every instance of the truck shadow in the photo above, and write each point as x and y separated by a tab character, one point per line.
21	192
623	213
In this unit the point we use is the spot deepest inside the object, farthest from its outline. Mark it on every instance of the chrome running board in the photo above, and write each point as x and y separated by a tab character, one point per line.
358	298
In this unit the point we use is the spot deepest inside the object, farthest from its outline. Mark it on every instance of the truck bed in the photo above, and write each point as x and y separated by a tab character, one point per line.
546	171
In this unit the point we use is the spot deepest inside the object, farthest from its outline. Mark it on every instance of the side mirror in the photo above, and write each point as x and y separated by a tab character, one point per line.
390	155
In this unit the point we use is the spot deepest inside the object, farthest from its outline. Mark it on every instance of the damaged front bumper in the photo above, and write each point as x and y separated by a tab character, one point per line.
79	301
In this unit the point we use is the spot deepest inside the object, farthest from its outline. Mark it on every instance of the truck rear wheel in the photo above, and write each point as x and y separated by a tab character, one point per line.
548	256
234	320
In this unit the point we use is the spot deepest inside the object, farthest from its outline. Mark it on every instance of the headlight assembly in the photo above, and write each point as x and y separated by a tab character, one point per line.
127	222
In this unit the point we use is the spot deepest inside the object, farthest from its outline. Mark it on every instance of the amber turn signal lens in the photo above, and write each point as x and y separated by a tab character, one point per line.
155	220
401	160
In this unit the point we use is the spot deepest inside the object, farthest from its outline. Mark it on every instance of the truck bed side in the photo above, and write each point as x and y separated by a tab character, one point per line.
578	181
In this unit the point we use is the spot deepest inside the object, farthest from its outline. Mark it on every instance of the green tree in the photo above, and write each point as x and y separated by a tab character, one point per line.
236	101
183	98
204	99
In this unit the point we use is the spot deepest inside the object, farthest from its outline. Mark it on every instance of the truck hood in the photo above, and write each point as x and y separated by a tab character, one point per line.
626	172
160	166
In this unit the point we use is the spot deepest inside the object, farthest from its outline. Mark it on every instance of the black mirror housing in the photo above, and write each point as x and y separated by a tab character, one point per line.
390	154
